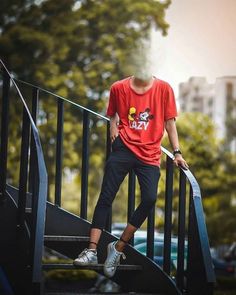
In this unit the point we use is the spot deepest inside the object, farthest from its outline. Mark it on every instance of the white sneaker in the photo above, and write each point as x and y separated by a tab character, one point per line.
113	260
87	257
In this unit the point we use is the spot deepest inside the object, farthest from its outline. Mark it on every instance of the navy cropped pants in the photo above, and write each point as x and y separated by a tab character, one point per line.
120	162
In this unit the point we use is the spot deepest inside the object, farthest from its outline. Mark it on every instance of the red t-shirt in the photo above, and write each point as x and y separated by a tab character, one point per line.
142	116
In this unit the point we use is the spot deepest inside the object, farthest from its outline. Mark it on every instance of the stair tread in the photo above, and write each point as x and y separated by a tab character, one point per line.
99	293
91	267
52	238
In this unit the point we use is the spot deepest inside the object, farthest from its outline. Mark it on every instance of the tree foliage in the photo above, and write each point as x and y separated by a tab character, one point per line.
215	170
76	49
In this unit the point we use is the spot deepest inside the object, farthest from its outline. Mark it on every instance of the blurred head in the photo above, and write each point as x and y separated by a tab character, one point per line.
141	63
143	74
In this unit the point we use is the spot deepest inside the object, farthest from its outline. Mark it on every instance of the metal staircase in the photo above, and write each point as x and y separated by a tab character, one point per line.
29	222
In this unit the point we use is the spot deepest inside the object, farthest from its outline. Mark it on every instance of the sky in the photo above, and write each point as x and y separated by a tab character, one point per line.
201	41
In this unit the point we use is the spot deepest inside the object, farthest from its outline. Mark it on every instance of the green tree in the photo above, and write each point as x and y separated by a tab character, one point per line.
215	170
76	49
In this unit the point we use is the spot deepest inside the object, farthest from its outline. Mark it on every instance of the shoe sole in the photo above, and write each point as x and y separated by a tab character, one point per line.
76	263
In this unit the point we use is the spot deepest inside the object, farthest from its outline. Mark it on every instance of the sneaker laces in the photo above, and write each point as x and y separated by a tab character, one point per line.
85	251
115	257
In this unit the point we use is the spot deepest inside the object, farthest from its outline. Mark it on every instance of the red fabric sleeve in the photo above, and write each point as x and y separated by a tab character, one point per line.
111	110
170	104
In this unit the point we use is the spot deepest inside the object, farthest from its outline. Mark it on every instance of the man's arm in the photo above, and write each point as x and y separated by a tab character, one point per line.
174	141
114	132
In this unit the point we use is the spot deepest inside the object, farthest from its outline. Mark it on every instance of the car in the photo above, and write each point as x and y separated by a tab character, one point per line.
230	254
118	226
140	235
159	251
226	265
223	268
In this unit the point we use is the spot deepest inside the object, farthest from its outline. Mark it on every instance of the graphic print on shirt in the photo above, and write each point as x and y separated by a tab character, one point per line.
140	121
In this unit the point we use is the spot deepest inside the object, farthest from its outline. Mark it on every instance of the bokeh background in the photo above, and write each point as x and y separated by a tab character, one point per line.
77	49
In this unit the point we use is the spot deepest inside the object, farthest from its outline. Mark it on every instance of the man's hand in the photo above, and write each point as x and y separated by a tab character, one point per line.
114	132
180	162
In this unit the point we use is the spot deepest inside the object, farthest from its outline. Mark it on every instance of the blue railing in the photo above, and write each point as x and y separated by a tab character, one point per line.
198	277
38	175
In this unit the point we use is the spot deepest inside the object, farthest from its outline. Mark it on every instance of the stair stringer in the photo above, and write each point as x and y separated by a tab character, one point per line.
151	279
14	247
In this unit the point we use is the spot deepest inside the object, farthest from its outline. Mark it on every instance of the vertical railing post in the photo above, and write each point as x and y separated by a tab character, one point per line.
4	134
168	215
34	110
23	169
108	141
39	216
200	279
181	231
85	166
35	191
39	196
193	263
108	151
59	151
150	233
131	198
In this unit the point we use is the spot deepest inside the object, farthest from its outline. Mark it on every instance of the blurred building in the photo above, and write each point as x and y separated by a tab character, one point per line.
217	100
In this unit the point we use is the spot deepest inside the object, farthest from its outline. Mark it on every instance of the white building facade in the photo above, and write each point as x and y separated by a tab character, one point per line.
218	101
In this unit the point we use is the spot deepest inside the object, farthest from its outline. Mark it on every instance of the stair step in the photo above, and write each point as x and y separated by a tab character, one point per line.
105	293
54	238
49	266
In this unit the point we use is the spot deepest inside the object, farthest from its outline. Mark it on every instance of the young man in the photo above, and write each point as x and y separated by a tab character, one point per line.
140	109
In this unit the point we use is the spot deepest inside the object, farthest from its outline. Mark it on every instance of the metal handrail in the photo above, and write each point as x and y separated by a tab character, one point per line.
64	99
192	180
195	189
41	190
203	236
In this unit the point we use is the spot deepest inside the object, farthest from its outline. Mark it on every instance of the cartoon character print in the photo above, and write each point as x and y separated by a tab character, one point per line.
132	114
145	116
140	121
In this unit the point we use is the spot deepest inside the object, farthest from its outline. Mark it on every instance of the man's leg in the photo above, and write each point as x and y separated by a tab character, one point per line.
127	234
148	177
117	167
95	234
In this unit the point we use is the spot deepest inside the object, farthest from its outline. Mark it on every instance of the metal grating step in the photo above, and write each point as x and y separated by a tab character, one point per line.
54	238
49	266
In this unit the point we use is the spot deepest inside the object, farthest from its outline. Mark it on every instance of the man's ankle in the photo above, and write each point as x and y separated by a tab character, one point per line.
93	249
119	246
93	246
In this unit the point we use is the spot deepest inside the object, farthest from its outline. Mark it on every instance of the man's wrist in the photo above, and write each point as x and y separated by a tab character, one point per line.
177	152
